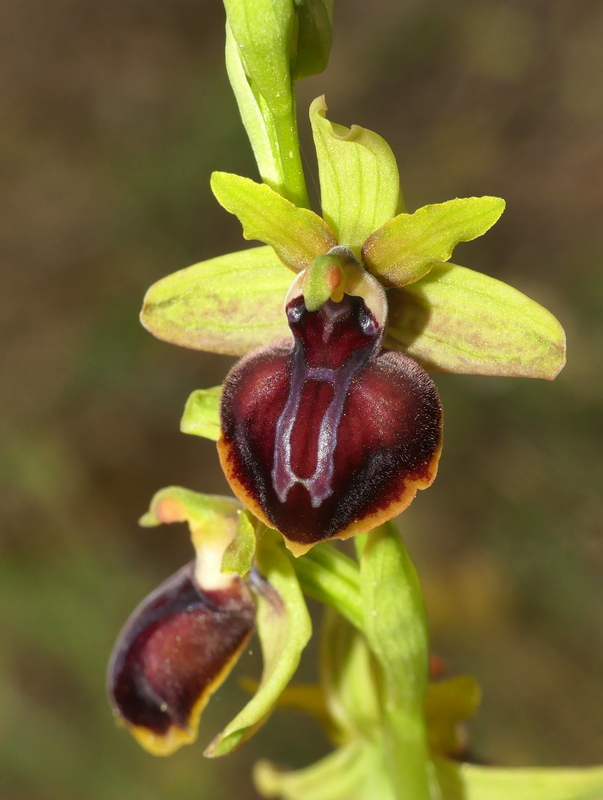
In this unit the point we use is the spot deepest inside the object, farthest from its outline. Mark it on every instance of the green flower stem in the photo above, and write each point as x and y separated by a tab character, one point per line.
330	577
396	629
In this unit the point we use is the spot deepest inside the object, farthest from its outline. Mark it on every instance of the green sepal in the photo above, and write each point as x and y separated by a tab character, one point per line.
296	234
201	415
349	680
402	251
448	703
472	782
238	556
176	504
339	776
314	37
230	304
458	320
284	628
359	182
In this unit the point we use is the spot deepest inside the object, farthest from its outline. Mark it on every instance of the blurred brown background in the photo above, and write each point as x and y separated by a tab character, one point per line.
113	115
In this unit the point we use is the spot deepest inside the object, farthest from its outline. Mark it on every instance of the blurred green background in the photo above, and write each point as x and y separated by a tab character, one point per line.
114	114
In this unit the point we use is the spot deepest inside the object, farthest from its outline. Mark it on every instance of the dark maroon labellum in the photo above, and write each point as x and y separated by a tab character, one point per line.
329	435
174	651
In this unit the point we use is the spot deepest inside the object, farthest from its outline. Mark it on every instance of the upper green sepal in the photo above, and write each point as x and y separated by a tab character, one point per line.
284	628
461	321
403	250
297	235
230	304
359	183
202	413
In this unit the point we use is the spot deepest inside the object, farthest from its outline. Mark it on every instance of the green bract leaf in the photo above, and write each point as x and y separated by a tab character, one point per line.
202	413
332	578
402	250
396	629
458	320
339	776
297	235
348	678
314	37
230	304
472	782
259	38
284	628
359	183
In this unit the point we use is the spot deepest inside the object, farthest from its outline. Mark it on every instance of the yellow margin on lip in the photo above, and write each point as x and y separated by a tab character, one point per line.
175	737
362	525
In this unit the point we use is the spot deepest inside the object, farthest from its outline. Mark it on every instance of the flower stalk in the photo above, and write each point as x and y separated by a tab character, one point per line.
326	429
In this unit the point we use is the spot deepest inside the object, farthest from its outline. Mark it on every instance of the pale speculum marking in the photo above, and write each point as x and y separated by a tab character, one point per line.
320	484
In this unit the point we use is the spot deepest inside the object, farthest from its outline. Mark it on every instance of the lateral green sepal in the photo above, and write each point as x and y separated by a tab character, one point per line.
458	320
359	182
284	629
297	235
230	304
402	251
201	415
473	782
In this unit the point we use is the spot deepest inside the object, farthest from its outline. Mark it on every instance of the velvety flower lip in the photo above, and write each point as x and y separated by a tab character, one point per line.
172	654
328	436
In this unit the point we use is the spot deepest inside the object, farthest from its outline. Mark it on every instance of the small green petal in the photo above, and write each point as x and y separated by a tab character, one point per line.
230	304
472	782
458	320
238	556
314	37
402	250
359	183
202	413
284	629
296	234
338	776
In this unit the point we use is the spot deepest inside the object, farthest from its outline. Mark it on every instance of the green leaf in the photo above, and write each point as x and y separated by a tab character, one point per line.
259	38
472	782
230	304
402	250
338	776
359	183
202	413
284	629
458	320
348	678
296	234
314	37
